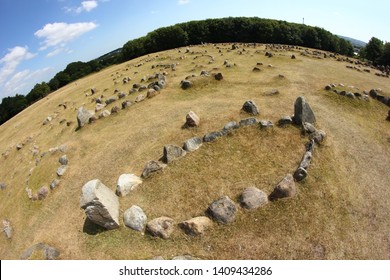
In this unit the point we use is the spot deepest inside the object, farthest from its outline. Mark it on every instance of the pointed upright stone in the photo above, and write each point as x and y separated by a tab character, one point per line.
302	112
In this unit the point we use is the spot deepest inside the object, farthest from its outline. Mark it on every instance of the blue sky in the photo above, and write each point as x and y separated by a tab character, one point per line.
38	38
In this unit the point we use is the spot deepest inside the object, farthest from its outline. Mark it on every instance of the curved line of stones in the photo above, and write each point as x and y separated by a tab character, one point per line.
315	137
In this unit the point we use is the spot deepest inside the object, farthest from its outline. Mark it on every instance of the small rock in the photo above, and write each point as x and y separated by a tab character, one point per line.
223	210
328	87
231	125
63	160
373	93
54	184
61	170
350	95
192	120
151	93
140	98
250	107
192	144
218	76
126	183
318	136
47	120
19	146
265	124
256	69
272	92
110	100
41	251
7	229
3	186
42	193
99	107
284	121
185	84
126	104
248	121
135	218
172	152
115	110
152	167
196	226
100	204
212	136
285	188
253	198
104	114
160	227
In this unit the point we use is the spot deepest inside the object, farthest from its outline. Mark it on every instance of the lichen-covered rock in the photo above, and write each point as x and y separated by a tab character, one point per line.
160	227
223	210
196	226
172	152
285	188
100	204
303	112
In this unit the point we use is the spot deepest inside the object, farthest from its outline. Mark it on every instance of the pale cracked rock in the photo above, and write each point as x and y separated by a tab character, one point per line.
192	144
192	120
126	183
135	218
196	226
152	167
100	204
83	116
160	227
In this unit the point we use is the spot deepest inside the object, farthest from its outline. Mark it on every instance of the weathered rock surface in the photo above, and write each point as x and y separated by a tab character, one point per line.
252	198
301	172
135	218
7	229
40	251
61	170
212	136
172	152
152	167
54	184
285	188
265	124
192	144
231	125
196	226
160	227
100	204
83	116
63	160
248	121
127	183
185	84
42	193
192	120
250	107
302	112
223	210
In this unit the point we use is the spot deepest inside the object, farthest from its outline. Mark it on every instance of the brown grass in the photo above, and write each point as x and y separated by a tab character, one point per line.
340	211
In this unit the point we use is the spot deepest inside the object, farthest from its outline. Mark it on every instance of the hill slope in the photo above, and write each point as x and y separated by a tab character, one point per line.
340	211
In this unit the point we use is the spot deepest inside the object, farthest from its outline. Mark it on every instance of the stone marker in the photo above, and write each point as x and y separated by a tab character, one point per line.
172	152
252	198
250	107
152	167
101	205
7	228
303	112
160	227
192	120
127	183
41	251
192	144
196	226
185	84
61	170
285	188
223	210
83	116
212	136
135	218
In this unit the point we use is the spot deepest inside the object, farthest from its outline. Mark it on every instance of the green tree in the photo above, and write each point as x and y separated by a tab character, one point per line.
384	59
39	91
373	50
11	106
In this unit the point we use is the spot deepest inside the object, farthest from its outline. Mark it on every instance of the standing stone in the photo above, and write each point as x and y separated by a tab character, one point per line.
196	226
7	229
301	172
83	116
172	152
100	204
152	167
192	120
218	77
252	198
185	84
127	183
192	144
160	227
63	160
303	112
250	107
223	210
285	188
135	218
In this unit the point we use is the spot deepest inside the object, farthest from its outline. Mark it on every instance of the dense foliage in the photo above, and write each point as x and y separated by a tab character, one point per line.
241	29
377	52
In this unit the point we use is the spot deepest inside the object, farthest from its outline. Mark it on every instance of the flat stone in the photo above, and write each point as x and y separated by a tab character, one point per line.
61	170
104	114
54	184
40	251
172	152
265	124
231	125
284	121
7	229
248	121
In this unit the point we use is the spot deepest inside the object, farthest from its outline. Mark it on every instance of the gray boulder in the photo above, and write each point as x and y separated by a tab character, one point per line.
160	227
63	160
152	167
61	170
252	198
54	184
250	107
265	124
248	121
212	136
231	125
192	144
302	112
223	210
185	84
127	183
41	251
285	188
100	204
135	218
196	226
172	152
83	116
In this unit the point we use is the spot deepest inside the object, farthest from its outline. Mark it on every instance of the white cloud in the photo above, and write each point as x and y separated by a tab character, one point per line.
58	34
11	60
183	2
85	6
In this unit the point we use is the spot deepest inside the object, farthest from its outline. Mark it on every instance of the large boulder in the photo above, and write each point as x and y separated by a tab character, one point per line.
100	204
285	188
160	227
196	226
250	107
172	152
223	210
127	183
252	198
152	167
302	112
192	144
135	218
192	120
83	116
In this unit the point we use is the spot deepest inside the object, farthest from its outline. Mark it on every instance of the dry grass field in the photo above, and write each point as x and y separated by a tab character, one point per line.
341	210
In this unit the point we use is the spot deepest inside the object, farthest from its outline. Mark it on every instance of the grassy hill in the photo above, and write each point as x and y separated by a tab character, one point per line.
340	211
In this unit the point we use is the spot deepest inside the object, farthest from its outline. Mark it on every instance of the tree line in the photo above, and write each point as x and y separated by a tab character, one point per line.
376	51
240	29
